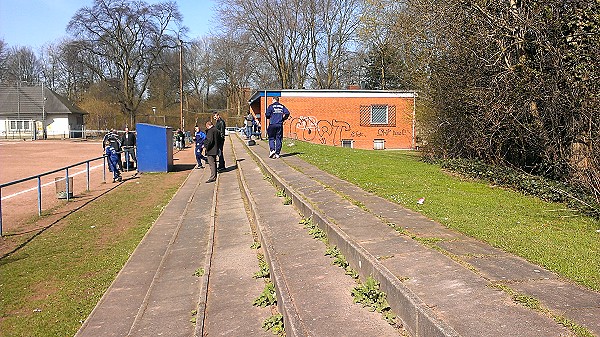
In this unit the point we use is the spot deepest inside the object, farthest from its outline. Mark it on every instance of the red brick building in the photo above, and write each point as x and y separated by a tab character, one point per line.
363	119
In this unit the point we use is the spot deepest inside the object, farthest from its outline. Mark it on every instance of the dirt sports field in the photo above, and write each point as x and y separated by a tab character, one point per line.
22	159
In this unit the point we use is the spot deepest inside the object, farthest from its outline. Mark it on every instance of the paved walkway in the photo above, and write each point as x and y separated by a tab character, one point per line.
444	289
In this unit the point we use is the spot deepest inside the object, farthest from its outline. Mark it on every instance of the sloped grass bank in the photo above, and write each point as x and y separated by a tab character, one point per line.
50	286
549	234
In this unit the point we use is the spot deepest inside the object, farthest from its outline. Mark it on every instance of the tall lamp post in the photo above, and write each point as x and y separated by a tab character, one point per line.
181	84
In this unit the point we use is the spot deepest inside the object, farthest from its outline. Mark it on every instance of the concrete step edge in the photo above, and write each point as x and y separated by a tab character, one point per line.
418	319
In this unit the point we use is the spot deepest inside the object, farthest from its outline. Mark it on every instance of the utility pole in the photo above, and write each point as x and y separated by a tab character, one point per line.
181	84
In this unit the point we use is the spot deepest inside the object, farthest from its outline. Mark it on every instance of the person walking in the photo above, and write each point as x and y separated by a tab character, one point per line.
276	113
115	142
179	139
220	125
199	138
128	144
113	160
211	145
249	120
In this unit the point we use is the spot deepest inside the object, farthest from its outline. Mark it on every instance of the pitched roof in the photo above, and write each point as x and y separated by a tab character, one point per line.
34	100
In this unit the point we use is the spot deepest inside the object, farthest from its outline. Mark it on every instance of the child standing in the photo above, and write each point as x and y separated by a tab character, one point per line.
112	157
199	138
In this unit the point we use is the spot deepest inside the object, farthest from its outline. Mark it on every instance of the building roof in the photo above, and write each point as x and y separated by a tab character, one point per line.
329	93
34	100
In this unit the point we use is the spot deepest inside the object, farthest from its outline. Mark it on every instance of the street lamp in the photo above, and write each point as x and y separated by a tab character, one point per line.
181	84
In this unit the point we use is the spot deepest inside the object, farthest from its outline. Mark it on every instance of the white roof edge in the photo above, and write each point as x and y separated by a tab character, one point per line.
348	93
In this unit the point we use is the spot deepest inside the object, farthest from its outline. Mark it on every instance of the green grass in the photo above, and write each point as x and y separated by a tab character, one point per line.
544	233
50	286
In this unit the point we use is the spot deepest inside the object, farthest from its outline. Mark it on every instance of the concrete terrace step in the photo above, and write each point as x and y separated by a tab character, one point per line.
447	291
313	295
156	291
231	286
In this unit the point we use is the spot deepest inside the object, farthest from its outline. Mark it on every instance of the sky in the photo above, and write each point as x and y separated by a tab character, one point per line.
33	23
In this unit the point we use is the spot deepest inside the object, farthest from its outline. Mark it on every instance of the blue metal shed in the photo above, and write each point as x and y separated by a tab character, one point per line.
154	148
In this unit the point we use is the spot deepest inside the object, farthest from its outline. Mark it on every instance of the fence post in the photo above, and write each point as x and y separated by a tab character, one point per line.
0	211
67	182
39	179
87	165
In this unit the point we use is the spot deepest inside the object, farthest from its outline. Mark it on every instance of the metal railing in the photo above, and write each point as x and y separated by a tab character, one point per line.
66	179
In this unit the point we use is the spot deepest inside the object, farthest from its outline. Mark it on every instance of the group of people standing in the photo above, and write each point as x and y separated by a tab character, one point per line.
252	127
209	146
113	147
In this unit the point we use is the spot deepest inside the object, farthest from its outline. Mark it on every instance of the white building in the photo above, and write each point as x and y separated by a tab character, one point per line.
35	112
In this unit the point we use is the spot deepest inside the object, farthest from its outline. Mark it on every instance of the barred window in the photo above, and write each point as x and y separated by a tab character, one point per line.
379	114
347	143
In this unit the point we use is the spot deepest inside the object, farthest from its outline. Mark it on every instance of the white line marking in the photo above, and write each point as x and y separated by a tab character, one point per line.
49	183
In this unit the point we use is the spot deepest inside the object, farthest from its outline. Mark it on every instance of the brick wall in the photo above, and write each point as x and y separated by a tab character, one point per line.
326	119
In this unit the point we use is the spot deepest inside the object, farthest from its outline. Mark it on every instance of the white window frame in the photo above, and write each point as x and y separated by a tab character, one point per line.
378	121
23	125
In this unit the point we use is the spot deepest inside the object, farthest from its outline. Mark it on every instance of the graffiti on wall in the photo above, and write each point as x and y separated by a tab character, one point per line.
388	132
331	132
309	129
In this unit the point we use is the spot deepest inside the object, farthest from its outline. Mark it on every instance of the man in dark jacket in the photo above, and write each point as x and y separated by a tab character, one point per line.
211	146
220	125
276	113
128	144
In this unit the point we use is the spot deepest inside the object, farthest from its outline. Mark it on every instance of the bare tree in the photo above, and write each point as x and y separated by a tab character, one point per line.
333	26
63	71
121	42
279	32
234	62
163	87
3	61
200	65
22	65
387	61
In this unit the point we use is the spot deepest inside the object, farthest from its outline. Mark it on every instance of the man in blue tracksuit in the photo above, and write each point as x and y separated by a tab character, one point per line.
276	113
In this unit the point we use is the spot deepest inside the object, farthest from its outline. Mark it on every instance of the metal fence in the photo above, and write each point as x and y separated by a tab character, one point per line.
66	193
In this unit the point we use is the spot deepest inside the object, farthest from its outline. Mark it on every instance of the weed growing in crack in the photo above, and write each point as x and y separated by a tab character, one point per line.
429	242
287	200
314	230
275	324
255	245
340	260
263	267
280	193
332	251
369	295
193	319
267	297
534	303
199	272
397	228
